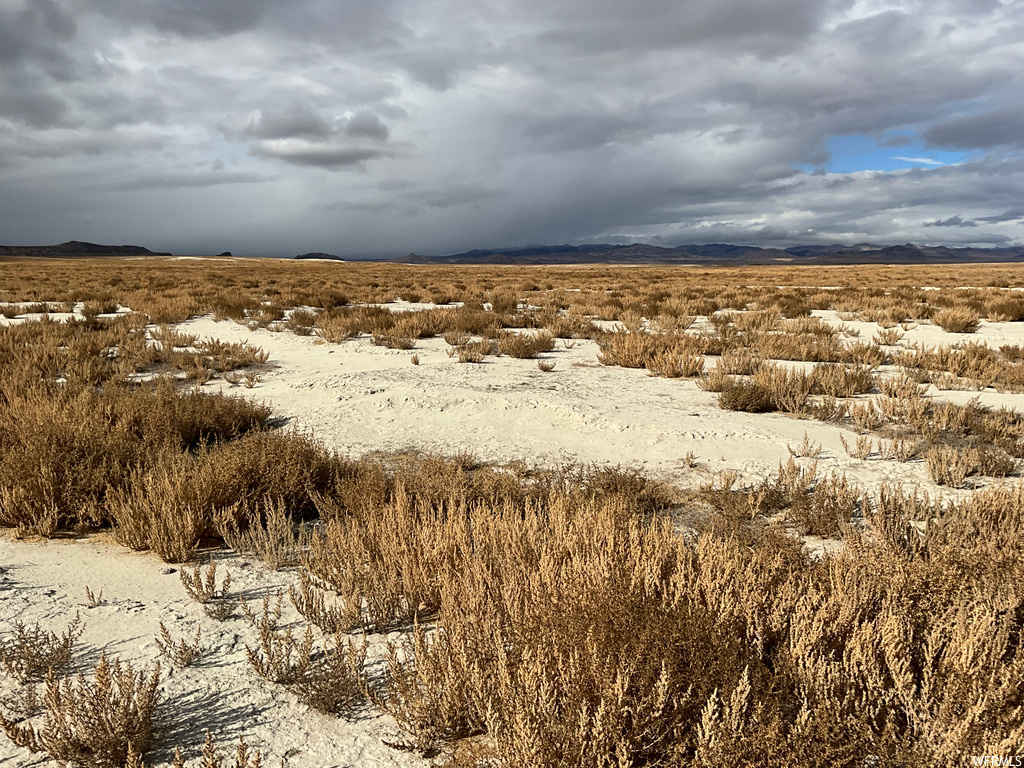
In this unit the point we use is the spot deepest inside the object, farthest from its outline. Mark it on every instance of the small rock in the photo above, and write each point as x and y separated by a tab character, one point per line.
167	571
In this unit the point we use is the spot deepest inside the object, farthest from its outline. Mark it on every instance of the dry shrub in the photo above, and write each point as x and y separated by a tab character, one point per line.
281	657
828	408
951	466
888	337
301	322
899	449
993	462
741	361
474	351
863	354
740	395
1005	309
788	388
211	758
828	509
266	530
28	652
715	380
757	321
183	652
392	341
866	416
333	681
628	349
94	722
525	345
957	320
311	602
676	364
860	449
163	510
841	381
204	589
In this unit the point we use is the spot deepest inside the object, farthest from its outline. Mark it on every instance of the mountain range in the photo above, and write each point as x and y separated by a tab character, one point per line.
75	248
723	254
604	253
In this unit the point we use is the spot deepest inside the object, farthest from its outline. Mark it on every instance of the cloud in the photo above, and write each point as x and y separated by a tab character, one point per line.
466	123
952	221
1016	215
984	131
317	155
921	160
299	135
188	181
295	121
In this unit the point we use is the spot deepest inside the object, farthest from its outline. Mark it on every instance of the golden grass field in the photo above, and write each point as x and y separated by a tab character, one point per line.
515	615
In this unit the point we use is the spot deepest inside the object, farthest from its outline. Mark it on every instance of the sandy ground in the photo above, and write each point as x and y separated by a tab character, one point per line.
46	582
359	398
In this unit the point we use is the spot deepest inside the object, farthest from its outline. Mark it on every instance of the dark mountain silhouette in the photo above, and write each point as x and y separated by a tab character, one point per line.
724	254
76	248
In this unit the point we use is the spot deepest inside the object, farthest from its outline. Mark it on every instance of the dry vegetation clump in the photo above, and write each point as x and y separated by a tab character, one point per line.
94	722
525	345
841	381
629	349
204	589
714	380
27	652
788	388
740	361
957	320
183	652
949	465
301	322
749	396
392	341
267	530
210	758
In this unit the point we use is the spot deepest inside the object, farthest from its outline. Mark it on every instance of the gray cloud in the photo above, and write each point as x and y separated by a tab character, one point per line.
1016	215
472	122
1000	128
952	221
317	155
295	121
188	181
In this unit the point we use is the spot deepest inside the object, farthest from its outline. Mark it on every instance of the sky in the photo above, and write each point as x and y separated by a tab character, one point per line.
383	127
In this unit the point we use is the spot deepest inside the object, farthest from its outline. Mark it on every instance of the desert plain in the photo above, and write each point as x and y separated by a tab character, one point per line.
512	516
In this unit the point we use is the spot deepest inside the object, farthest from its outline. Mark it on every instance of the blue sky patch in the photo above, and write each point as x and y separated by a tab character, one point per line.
897	151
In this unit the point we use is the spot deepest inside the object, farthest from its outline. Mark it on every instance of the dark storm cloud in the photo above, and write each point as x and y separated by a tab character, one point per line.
466	123
1016	215
993	129
298	135
297	120
367	125
318	156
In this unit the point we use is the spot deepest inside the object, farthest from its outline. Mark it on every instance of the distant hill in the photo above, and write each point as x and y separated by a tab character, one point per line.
75	248
724	254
